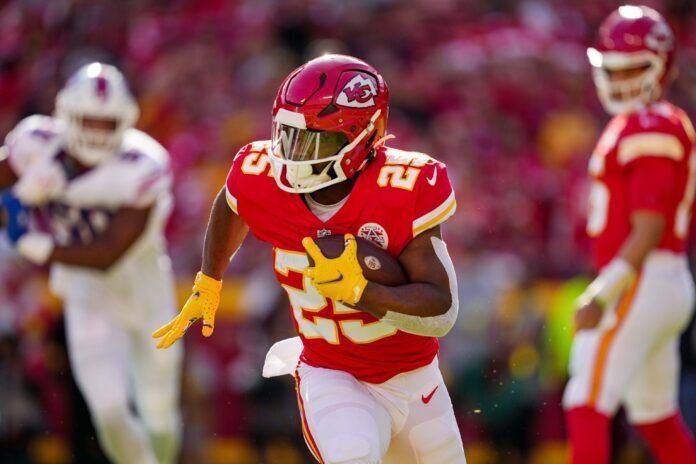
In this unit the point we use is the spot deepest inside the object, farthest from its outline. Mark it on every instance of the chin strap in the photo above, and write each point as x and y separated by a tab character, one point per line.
382	141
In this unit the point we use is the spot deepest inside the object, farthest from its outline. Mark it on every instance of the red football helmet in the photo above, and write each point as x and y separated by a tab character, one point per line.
632	37
328	116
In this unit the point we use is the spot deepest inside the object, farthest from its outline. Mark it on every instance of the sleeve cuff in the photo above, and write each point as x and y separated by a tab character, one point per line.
231	201
436	216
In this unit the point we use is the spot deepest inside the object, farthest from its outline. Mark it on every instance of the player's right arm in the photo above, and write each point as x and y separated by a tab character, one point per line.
225	233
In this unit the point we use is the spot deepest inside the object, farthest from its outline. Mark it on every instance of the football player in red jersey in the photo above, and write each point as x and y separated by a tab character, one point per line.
365	362
630	318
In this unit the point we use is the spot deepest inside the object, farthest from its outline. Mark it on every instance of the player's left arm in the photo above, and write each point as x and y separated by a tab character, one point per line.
651	191
126	226
428	305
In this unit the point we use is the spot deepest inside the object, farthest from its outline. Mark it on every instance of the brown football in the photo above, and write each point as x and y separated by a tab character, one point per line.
377	265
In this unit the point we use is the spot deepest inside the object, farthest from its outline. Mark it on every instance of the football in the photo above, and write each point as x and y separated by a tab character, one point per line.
378	266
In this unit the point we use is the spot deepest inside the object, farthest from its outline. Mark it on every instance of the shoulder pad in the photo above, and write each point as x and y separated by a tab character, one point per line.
250	162
433	196
137	178
137	144
658	131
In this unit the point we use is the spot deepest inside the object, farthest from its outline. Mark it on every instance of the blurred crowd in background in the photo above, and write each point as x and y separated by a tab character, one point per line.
500	90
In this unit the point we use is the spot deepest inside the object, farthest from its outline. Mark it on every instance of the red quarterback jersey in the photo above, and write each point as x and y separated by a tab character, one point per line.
396	197
642	161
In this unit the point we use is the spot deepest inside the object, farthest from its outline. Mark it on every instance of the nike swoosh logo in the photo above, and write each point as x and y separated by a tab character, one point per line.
426	399
337	279
432	180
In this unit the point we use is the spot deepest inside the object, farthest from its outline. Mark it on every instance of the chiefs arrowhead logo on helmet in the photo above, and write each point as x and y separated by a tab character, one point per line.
358	92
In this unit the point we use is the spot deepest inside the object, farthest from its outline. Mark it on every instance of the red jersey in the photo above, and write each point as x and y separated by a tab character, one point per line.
642	161
397	196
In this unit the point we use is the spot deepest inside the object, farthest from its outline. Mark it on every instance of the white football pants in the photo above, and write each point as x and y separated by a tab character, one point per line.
407	419
632	357
116	363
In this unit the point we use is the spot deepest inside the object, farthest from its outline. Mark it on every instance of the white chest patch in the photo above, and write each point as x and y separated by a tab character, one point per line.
375	233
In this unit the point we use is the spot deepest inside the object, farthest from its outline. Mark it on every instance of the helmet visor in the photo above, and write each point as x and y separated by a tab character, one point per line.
295	144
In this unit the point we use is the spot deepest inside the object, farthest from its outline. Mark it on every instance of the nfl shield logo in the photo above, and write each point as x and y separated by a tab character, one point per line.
323	233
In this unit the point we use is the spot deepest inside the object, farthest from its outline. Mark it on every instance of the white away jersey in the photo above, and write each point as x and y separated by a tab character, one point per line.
77	208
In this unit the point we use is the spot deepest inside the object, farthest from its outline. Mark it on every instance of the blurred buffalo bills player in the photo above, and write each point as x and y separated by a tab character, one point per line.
629	320
365	362
90	196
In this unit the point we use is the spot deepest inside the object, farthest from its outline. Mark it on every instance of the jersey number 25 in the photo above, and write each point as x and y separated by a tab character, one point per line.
306	302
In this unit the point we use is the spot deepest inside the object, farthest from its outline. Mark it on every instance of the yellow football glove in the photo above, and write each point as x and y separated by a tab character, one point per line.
341	278
202	303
